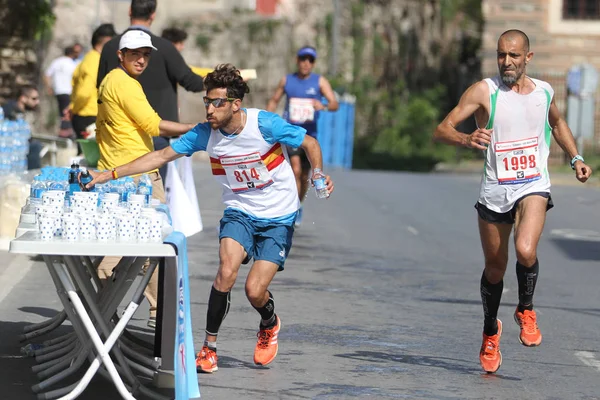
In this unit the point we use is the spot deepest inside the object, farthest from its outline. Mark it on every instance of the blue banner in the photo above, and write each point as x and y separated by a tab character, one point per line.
186	379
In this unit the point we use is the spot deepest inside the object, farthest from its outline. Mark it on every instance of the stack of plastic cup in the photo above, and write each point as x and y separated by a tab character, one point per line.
70	227
143	228
47	227
109	200
126	228
55	198
87	226
105	228
135	207
84	202
156	228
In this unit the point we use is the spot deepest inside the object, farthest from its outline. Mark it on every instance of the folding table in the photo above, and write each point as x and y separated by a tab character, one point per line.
91	308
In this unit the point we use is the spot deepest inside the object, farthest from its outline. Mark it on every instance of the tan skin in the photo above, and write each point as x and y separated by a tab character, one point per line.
229	118
135	62
531	211
305	68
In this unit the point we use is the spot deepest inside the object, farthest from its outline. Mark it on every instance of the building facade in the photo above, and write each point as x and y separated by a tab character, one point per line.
562	34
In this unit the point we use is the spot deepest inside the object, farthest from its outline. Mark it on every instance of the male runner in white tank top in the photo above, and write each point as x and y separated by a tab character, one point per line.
248	158
516	117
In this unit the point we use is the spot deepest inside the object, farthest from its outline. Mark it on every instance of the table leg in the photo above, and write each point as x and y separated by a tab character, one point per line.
91	330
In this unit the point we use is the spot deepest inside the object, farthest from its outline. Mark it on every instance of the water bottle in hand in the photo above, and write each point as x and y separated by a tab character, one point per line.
318	179
84	179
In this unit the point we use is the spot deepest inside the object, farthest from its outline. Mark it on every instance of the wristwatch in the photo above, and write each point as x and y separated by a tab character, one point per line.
576	158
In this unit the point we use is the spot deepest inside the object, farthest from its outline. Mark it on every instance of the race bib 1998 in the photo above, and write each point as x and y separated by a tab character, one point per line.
518	161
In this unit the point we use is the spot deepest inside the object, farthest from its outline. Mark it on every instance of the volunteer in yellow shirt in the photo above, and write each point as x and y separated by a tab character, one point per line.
84	99
126	121
125	126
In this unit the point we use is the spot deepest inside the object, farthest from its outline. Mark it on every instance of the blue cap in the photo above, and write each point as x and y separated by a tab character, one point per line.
307	51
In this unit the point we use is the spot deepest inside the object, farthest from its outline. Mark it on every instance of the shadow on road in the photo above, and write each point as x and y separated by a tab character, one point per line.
450	364
41	311
594	312
579	250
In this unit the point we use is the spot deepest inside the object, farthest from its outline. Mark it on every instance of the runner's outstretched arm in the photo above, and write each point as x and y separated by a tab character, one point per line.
473	98
145	163
564	137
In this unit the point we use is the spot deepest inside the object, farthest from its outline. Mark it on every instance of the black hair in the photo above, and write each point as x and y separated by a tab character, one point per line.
174	35
515	32
142	9
26	90
226	76
69	50
103	31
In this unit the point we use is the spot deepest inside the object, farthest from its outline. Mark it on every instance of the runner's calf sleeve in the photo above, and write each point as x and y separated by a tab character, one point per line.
218	307
490	298
527	279
267	312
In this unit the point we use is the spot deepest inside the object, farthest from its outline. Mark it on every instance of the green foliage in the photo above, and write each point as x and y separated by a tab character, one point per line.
400	127
29	19
262	29
203	41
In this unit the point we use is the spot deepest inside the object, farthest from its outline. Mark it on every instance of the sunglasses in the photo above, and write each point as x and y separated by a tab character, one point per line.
218	102
309	58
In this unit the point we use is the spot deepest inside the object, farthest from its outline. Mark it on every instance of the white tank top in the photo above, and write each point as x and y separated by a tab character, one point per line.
256	176
516	161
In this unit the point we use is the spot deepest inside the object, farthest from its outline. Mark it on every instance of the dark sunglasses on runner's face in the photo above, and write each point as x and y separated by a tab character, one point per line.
309	58
218	102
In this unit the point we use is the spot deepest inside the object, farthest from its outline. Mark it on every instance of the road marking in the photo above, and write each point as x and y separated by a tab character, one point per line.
412	230
587	357
577	234
15	272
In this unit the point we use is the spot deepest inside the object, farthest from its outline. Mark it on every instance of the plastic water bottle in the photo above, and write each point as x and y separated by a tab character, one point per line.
73	178
130	187
38	187
145	187
320	185
85	179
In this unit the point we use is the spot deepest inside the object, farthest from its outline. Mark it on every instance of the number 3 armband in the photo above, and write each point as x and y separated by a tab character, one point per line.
575	159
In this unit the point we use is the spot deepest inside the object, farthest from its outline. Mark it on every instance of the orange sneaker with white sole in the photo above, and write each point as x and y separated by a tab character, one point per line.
490	356
530	333
267	346
206	360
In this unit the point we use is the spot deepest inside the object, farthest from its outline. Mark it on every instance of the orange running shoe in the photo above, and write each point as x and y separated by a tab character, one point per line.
266	347
206	360
530	333
490	356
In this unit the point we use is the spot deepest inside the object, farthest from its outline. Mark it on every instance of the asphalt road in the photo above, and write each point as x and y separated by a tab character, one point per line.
380	299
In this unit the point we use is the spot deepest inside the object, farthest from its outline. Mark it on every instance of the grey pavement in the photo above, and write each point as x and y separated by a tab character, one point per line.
380	299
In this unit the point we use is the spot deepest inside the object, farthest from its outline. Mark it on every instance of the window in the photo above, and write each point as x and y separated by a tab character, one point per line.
581	9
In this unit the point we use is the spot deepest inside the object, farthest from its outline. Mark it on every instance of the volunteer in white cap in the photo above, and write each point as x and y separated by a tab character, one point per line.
126	123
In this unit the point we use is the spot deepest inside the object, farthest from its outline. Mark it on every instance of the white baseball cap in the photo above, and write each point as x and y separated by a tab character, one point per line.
135	39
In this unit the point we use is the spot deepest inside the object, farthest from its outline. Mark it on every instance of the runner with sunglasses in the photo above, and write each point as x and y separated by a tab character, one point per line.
304	91
248	158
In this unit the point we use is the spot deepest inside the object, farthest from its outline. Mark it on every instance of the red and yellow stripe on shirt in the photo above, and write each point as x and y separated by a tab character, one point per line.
272	159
